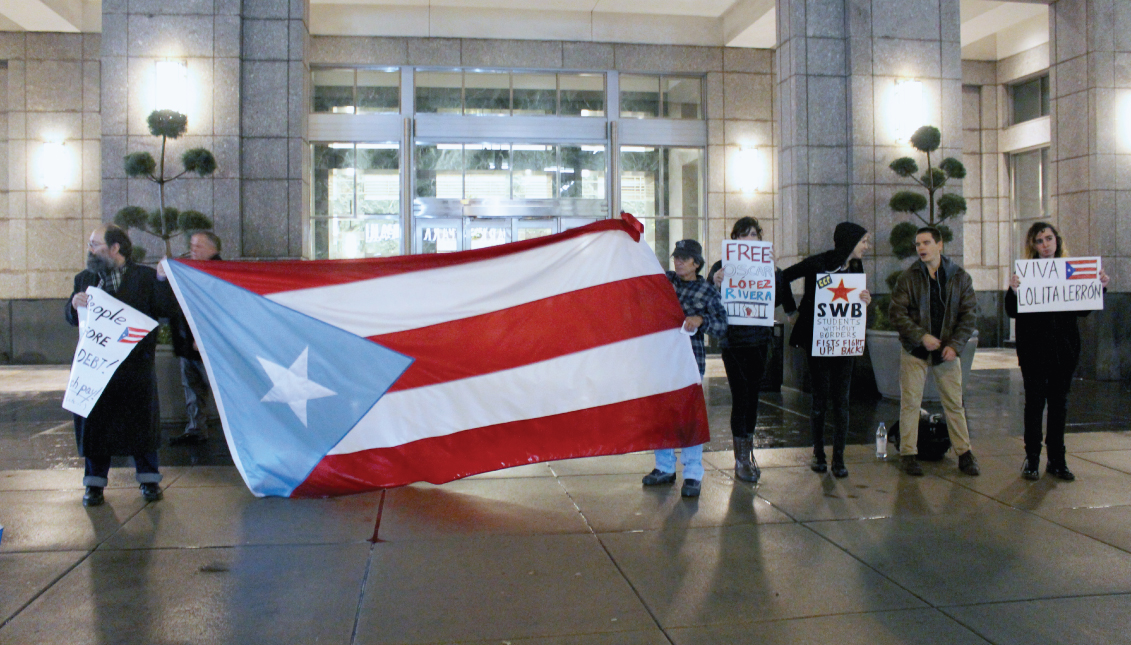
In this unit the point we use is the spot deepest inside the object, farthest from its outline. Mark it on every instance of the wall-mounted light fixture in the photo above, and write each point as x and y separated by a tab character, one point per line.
54	166
908	108
170	85
1123	120
752	171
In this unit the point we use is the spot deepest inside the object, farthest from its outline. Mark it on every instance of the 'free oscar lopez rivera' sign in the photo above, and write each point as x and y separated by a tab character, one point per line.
839	316
109	329
748	282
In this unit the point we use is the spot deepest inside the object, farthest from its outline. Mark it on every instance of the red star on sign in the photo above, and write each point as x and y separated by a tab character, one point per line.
841	291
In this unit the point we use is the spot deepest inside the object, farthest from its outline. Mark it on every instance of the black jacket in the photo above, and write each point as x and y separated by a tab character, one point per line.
183	340
1045	338
126	419
753	335
845	238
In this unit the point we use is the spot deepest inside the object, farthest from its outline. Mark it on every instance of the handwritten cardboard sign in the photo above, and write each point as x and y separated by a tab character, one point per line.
1059	284
108	334
839	316
748	282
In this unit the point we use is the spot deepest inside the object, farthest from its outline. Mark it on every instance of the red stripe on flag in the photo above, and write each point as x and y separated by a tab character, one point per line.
265	278
536	331
670	420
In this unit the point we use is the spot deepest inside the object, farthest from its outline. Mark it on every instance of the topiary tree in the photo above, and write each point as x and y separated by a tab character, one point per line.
927	140
165	222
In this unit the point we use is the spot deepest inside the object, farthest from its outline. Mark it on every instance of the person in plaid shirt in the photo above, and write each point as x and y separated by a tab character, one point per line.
703	307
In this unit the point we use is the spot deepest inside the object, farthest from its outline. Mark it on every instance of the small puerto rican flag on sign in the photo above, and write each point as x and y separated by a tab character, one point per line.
1081	269
132	335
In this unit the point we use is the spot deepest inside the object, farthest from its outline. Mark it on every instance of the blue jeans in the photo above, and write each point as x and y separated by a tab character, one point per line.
97	468
692	459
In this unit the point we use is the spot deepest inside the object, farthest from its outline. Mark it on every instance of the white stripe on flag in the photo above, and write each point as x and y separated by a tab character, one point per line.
421	298
623	371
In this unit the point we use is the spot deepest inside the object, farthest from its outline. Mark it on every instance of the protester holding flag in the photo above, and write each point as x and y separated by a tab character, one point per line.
1048	348
745	348
703	308
203	245
126	419
829	377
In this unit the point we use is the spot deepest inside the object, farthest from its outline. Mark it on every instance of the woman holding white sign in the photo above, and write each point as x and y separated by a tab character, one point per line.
830	377
745	348
1048	349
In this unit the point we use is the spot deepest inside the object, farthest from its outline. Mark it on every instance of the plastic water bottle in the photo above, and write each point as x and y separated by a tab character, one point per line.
881	441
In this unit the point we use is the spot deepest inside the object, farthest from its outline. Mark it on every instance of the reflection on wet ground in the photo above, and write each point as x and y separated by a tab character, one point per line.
36	433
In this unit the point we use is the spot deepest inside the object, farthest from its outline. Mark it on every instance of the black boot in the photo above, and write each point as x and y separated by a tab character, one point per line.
1031	467
93	496
838	469
745	467
1059	469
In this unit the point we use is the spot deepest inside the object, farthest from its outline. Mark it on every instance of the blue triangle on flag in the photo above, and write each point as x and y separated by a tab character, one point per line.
290	386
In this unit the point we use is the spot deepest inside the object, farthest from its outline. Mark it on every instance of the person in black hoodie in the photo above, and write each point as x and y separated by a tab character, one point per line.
1048	348
830	377
744	356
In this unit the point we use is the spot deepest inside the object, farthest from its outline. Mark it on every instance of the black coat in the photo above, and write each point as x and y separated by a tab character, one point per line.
183	341
1046	340
126	419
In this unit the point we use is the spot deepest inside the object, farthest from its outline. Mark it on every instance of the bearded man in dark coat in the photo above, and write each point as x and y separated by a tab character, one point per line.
126	419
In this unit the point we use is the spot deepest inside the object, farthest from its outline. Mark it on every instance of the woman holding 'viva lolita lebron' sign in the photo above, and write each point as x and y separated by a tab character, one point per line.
1048	340
754	295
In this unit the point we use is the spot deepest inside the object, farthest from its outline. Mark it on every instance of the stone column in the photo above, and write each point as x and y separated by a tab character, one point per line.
274	83
1090	162
838	61
206	34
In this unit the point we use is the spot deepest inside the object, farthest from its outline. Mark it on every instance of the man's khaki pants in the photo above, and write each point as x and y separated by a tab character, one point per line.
912	378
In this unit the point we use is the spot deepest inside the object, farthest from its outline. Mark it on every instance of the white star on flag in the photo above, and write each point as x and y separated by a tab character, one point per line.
291	385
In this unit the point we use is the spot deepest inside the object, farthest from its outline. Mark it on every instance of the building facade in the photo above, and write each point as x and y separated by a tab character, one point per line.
339	144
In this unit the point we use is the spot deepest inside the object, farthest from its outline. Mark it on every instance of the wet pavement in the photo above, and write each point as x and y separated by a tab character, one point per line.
577	551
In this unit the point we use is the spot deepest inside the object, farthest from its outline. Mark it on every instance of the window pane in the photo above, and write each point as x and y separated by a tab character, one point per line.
439	92
1027	186
488	171
378	178
639	180
439	170
535	94
333	90
482	235
378	91
439	236
1028	101
487	93
662	234
535	172
683	97
333	180
582	94
583	172
364	238
684	180
533	228
639	96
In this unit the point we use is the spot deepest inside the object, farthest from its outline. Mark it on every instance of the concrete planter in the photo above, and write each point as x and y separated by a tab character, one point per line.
884	350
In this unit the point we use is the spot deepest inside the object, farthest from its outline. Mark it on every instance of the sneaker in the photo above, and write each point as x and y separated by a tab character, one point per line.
188	439
839	471
691	488
93	496
657	477
968	465
151	492
1031	468
1060	471
911	465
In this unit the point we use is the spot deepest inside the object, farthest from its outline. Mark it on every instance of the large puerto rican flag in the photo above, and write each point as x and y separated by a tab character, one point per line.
340	376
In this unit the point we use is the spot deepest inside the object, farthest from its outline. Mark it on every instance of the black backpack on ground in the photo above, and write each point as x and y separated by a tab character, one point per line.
934	440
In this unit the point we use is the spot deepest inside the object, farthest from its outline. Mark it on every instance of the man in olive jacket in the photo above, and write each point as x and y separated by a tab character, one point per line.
934	307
